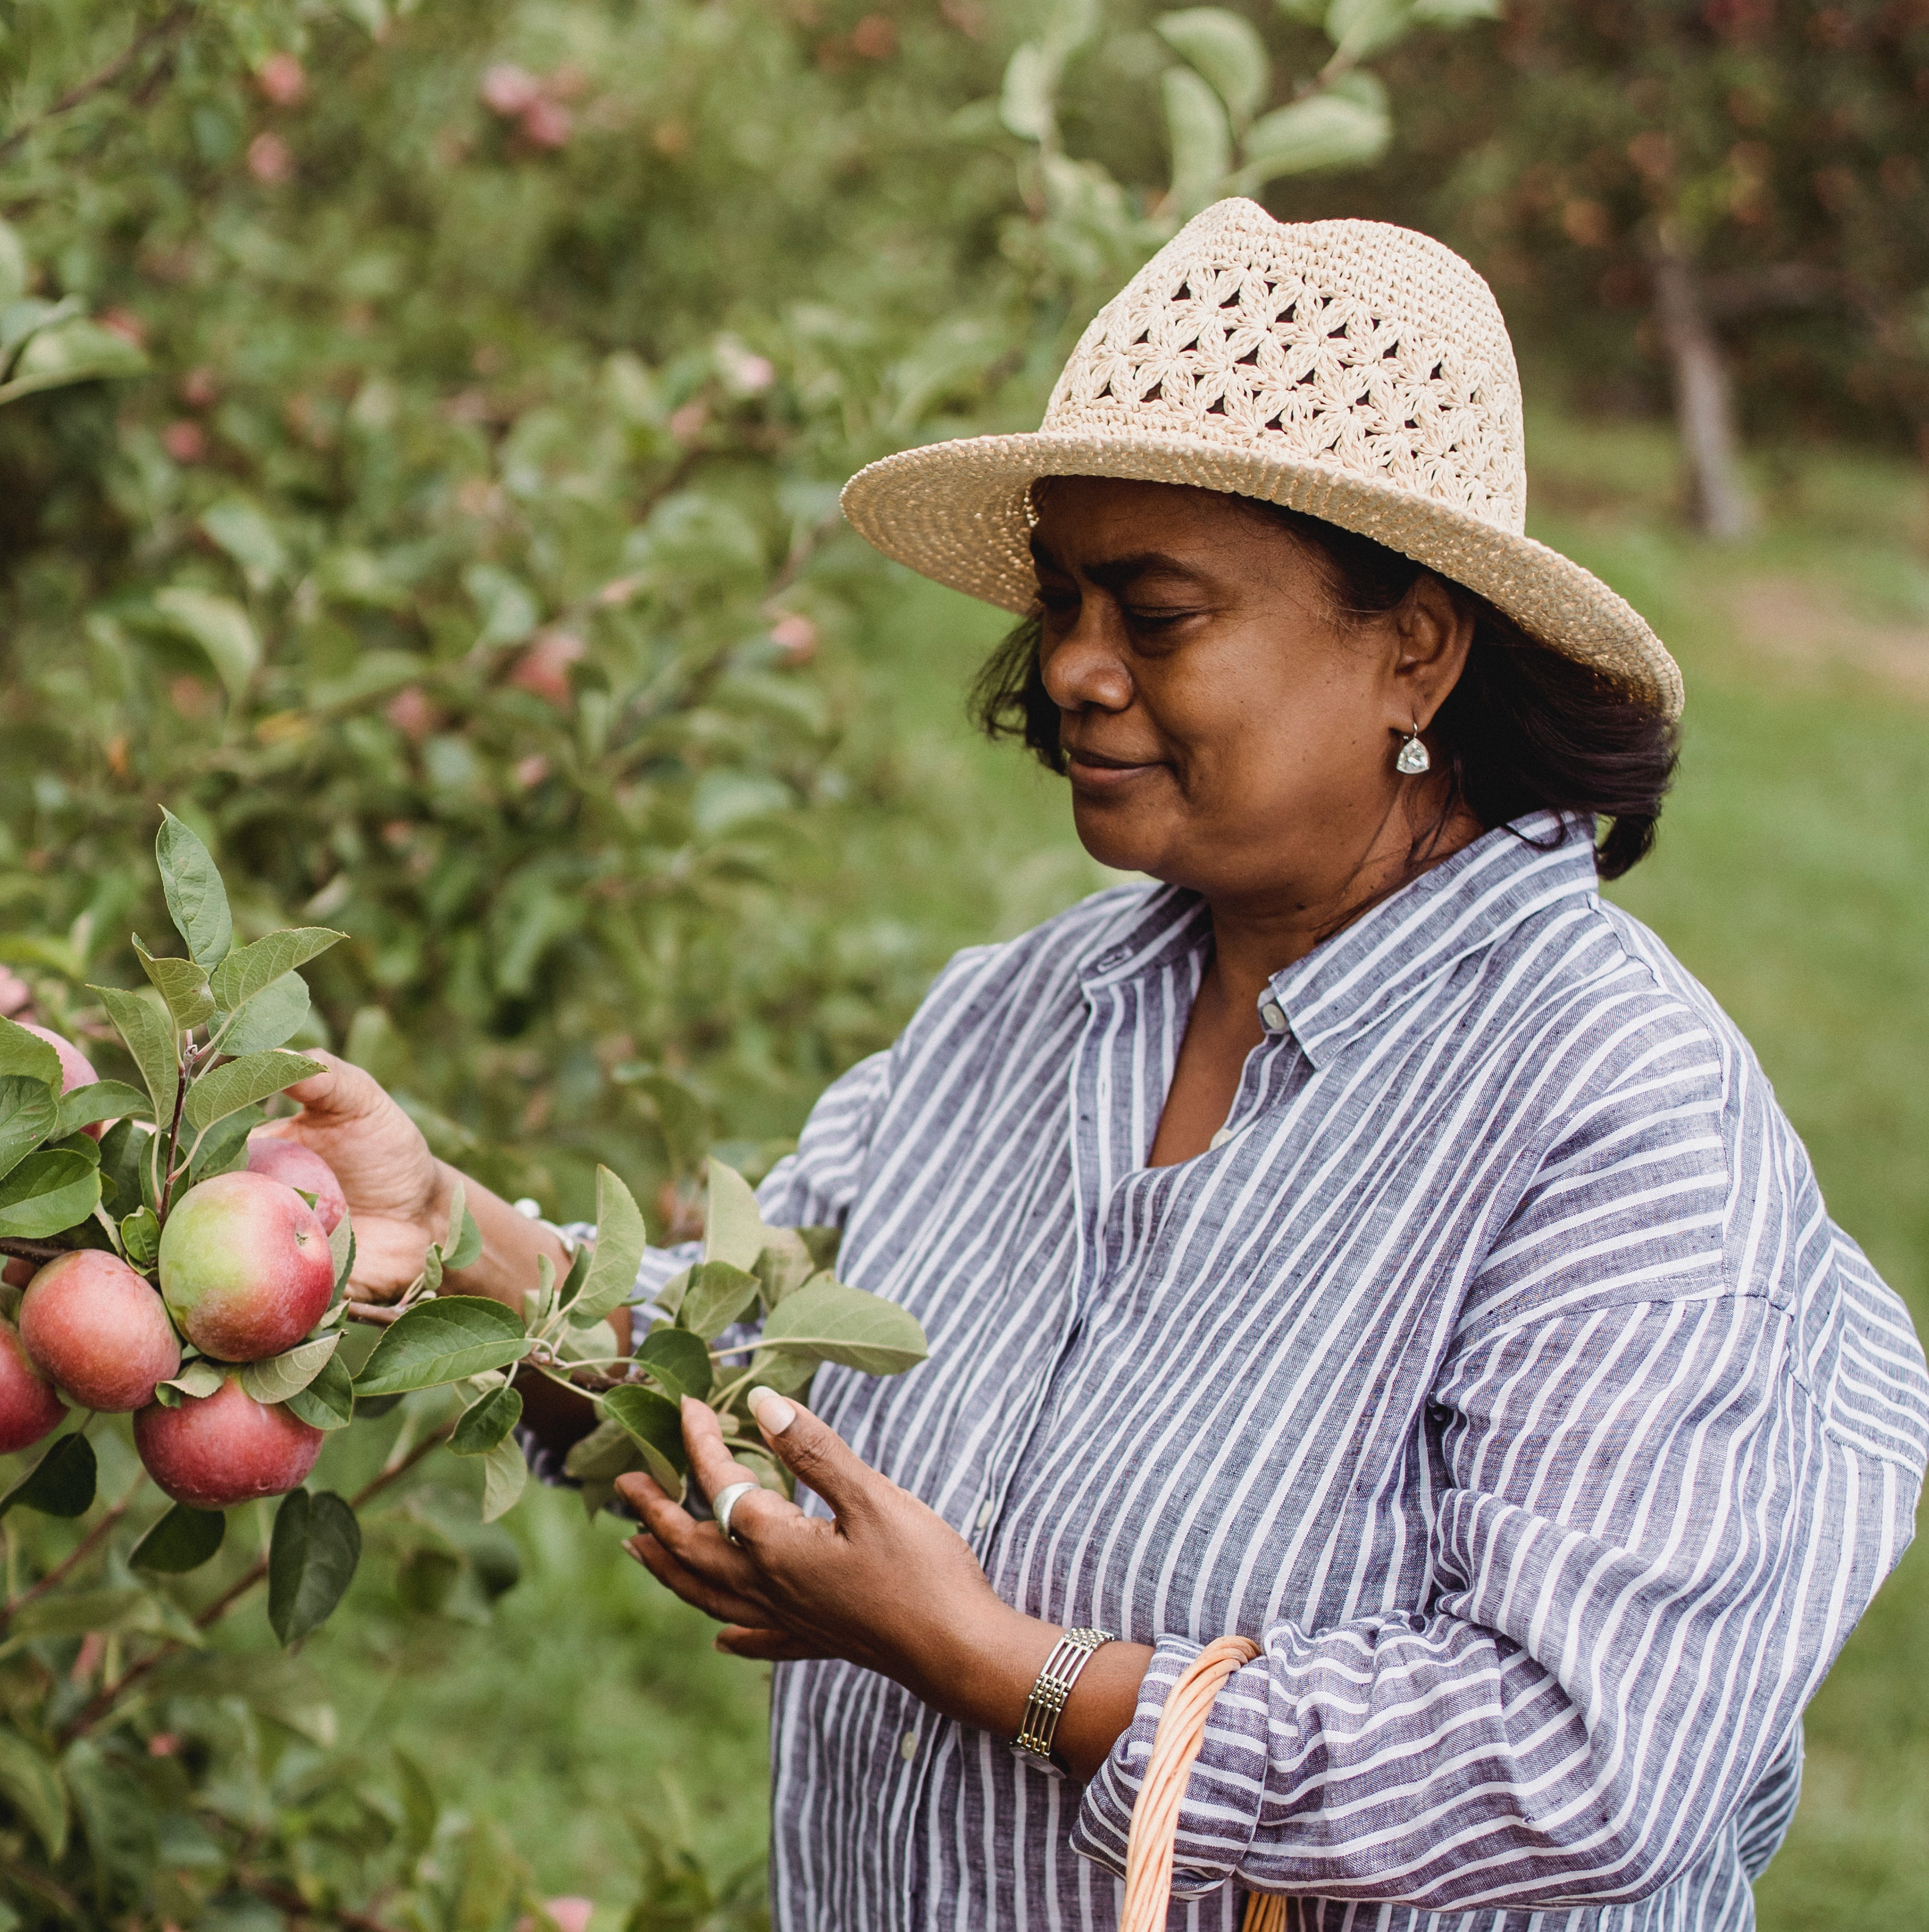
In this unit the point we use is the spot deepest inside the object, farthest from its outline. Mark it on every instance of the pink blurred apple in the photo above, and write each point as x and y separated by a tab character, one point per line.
299	1167
214	1451
76	1069
28	1407
99	1329
245	1266
544	667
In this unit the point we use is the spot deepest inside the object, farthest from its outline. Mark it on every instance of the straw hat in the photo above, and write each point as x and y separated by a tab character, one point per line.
1354	371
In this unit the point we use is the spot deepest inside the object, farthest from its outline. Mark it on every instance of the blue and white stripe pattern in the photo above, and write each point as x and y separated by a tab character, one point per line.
1501	1374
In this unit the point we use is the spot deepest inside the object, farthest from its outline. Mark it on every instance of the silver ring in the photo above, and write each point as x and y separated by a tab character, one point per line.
726	1501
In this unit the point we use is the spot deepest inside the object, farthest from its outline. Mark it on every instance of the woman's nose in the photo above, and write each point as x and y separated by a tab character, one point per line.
1084	668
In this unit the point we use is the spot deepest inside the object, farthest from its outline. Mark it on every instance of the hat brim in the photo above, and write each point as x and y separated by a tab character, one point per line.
958	512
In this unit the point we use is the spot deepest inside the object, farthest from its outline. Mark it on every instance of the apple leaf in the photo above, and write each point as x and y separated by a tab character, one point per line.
678	1360
718	1295
442	1341
504	1472
656	1424
311	1560
181	982
31	1784
620	1240
734	1230
101	1100
197	901
836	1323
48	1193
140	1237
271	1017
183	1540
199	1379
579	1273
116	1609
608	1451
328	1401
26	1053
785	1265
341	1249
61	1483
27	1115
250	969
223	1147
465	1250
242	1082
278	1377
145	1024
484	1423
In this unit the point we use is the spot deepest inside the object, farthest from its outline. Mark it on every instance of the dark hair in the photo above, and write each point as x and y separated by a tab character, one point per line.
1525	729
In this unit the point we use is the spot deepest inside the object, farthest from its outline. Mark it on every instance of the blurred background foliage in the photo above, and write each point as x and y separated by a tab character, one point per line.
422	430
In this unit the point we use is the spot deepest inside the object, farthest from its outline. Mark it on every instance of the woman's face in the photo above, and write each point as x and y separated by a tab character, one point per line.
1226	729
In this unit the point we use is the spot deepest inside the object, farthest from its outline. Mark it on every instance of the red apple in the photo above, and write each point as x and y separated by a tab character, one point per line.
76	1069
214	1451
99	1329
28	1407
245	1266
543	667
299	1167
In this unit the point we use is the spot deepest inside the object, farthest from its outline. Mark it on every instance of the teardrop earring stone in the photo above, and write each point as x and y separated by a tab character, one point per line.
1413	759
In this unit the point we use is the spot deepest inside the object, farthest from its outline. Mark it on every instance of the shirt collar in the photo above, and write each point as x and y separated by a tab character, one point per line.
1389	956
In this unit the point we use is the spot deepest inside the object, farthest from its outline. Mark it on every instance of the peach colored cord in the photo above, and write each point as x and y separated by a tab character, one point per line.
1155	1818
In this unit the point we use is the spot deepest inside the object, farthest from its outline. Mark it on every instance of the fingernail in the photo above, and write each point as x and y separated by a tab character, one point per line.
771	1412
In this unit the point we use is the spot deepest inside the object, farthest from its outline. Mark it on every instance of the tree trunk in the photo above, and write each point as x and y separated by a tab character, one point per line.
1704	400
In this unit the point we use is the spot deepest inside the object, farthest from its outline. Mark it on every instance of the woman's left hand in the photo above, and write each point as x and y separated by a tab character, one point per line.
885	1583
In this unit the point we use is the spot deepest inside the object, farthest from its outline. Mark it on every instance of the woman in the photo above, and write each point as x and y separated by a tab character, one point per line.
1366	1239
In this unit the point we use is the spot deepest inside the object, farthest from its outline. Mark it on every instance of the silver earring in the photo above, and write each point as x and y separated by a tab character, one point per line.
1413	759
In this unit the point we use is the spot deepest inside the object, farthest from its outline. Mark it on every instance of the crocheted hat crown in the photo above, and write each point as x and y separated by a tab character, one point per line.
1352	370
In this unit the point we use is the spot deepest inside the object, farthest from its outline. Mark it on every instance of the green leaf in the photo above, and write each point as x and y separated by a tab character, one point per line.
100	1100
121	1147
29	1113
31	1784
275	1014
278	1377
180	983
679	1359
199	1379
718	1295
837	1323
504	1472
1359	28
250	969
420	1809
140	1237
311	1560
466	1249
122	1609
620	1240
145	1025
27	1053
328	1401
118	1816
241	1082
579	1273
47	1194
609	1450
341	1249
197	901
223	1147
1227	50
656	1425
1334	130
484	1423
183	1540
222	629
74	351
247	536
1199	136
734	1230
785	1265
442	1341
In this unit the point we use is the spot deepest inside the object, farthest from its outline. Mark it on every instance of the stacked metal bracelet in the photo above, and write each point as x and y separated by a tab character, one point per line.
1046	1704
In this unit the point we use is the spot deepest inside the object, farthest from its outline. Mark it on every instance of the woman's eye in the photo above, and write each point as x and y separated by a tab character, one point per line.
1156	620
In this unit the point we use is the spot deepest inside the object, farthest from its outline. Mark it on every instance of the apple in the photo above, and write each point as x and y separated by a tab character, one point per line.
299	1167
245	1267
99	1330
543	667
76	1069
28	1407
216	1450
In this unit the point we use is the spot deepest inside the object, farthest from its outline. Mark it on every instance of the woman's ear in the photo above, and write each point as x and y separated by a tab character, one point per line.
1433	630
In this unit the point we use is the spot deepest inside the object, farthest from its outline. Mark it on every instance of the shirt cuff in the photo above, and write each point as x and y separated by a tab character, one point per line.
1220	1810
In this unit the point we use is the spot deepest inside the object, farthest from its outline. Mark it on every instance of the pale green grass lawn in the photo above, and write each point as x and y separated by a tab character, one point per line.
1791	878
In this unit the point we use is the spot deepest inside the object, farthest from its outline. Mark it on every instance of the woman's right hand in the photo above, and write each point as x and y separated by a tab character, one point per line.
398	1192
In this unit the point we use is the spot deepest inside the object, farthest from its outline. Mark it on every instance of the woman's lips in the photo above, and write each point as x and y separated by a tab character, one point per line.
1093	771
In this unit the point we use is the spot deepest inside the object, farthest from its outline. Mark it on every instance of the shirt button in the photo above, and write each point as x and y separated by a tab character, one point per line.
907	1746
1272	1017
985	1513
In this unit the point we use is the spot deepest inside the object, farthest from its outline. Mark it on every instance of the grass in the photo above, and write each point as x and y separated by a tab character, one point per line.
1789	877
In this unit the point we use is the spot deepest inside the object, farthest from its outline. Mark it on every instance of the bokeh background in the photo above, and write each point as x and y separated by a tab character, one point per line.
421	427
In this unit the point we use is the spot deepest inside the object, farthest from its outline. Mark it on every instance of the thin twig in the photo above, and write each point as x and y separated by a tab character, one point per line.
164	28
31	1251
111	1694
76	1556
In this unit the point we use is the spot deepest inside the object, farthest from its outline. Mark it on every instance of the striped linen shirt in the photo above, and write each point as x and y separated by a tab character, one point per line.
1499	1372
